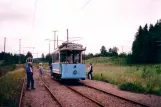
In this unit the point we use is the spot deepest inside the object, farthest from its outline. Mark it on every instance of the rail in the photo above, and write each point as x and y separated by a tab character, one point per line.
132	101
86	97
20	101
52	94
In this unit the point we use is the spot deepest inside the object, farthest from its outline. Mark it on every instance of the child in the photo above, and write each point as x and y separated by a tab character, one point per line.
41	70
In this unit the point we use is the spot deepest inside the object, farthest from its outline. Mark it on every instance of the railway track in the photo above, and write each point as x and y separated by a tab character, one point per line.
22	92
48	90
51	94
97	103
105	92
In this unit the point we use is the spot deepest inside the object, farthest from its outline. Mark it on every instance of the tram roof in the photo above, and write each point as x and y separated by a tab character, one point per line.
70	46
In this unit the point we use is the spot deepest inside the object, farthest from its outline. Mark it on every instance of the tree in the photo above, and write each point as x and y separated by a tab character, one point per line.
103	51
145	47
48	58
42	57
29	54
115	51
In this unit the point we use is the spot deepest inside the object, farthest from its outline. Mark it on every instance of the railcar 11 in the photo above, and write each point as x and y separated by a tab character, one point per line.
67	62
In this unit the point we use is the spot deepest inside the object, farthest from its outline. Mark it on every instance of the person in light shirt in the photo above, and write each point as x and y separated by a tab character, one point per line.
29	72
41	70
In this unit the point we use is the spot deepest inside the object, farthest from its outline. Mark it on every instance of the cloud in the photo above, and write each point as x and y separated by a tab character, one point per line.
10	11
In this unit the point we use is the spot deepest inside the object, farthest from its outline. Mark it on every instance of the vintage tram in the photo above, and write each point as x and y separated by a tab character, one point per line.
67	62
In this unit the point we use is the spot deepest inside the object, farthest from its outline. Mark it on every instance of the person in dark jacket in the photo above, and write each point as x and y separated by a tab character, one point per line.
90	70
29	72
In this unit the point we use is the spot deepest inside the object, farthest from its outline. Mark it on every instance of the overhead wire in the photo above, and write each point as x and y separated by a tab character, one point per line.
85	4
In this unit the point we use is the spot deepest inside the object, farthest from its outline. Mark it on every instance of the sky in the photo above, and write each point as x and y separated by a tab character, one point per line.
97	22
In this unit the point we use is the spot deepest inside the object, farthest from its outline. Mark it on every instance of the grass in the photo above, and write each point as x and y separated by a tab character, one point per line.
5	69
136	78
106	60
10	88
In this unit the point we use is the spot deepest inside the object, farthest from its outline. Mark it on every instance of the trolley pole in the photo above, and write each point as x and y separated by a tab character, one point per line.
57	41
4	47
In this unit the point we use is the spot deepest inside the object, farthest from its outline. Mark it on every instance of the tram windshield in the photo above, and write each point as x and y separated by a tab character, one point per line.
70	57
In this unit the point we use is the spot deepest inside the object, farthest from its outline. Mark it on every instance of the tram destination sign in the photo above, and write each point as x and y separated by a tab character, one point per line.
75	46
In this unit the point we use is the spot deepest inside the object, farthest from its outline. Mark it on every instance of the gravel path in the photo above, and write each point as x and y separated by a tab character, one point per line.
38	97
103	98
67	97
151	100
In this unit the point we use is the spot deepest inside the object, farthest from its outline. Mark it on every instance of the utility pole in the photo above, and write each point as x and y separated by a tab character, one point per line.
49	47
49	44
4	47
122	48
67	35
37	54
54	38
20	50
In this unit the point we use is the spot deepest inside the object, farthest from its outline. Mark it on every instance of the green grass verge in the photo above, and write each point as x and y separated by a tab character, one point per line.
10	88
135	78
107	60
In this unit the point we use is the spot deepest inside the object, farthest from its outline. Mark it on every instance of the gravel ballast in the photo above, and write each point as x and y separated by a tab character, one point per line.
67	97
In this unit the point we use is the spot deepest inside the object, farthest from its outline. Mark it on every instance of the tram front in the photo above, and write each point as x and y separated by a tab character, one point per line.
72	65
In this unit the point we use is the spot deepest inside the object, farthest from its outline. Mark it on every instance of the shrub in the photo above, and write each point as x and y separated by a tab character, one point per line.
145	72
99	77
158	70
134	87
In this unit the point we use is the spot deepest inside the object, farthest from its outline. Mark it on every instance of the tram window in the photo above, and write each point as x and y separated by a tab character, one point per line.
56	57
77	58
62	58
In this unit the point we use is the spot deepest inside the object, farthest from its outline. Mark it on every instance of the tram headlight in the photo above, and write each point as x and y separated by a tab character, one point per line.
75	72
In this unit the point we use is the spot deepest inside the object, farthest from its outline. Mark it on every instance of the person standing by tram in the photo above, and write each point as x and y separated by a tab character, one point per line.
90	70
29	72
